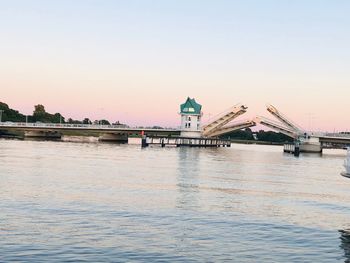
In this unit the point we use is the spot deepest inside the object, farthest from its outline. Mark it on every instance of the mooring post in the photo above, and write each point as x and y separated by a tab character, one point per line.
296	149
144	143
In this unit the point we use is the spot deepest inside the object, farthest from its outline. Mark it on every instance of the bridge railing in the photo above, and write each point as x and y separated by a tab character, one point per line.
340	135
327	134
219	115
79	126
58	125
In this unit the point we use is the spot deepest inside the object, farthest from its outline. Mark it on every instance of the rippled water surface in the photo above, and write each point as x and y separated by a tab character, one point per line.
62	201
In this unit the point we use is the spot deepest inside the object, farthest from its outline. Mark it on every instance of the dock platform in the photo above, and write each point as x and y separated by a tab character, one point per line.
184	142
292	148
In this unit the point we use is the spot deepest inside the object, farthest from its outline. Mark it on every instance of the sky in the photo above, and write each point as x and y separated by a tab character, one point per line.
137	61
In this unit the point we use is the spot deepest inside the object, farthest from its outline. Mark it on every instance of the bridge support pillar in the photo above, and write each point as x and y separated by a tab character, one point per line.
43	134
310	148
311	145
114	137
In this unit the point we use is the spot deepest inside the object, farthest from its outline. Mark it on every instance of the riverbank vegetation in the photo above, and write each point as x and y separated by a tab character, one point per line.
41	115
261	135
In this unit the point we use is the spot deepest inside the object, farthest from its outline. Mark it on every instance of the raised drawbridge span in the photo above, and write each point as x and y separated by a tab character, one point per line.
223	123
309	142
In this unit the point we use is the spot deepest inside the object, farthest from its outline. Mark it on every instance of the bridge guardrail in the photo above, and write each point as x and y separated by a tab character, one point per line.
58	125
79	126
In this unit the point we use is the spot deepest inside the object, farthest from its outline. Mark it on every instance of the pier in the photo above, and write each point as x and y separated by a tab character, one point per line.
184	141
293	148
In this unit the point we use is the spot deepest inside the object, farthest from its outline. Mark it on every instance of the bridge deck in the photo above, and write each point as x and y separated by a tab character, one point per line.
335	139
185	141
82	127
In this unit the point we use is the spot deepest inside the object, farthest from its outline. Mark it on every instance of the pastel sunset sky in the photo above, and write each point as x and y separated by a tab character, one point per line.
137	61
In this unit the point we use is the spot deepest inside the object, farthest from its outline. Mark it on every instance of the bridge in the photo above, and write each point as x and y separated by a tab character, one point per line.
222	124
105	132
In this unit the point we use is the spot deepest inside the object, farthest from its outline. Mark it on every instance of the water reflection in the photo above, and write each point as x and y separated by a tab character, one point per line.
345	243
187	178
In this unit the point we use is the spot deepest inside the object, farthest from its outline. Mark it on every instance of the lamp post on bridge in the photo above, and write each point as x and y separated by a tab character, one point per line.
310	120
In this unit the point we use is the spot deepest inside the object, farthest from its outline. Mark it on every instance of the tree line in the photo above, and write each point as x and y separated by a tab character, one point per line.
40	115
267	136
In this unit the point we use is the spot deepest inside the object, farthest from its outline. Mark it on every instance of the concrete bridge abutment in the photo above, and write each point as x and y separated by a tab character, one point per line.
43	134
114	137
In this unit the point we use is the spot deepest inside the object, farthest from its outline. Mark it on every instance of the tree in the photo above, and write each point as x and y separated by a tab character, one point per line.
39	113
39	109
87	121
240	134
104	122
270	136
8	114
57	118
71	121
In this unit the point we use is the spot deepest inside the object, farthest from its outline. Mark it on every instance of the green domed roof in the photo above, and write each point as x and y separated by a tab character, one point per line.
190	107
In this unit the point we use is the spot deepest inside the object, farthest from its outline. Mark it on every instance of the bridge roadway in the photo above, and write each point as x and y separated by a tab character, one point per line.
113	129
335	139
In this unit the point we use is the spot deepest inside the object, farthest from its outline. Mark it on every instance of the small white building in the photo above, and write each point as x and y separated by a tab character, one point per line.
191	114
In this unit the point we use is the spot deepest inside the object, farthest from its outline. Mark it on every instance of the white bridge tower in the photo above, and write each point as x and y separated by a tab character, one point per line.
191	114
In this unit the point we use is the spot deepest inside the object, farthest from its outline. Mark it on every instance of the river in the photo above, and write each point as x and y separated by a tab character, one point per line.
95	202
